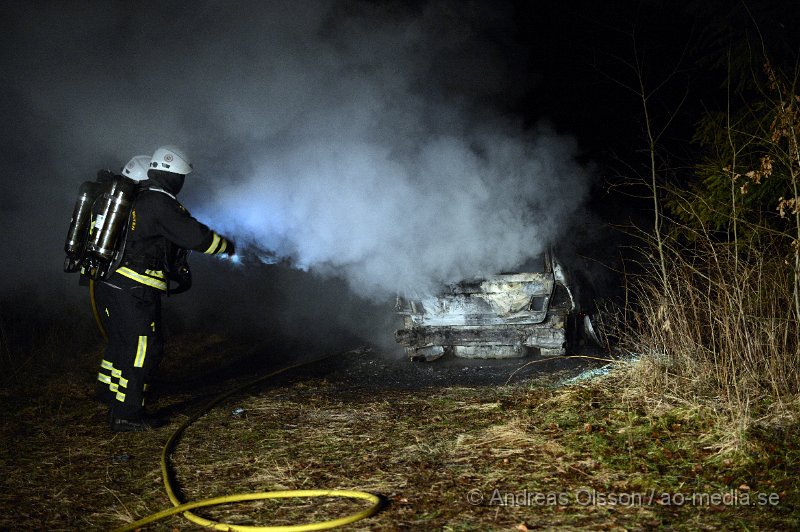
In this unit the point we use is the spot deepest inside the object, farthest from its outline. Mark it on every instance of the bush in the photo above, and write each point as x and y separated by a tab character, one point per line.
720	330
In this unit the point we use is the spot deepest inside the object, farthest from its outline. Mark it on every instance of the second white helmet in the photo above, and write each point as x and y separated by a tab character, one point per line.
137	167
171	159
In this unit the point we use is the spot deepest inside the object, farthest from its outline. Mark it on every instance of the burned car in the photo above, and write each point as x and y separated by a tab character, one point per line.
507	315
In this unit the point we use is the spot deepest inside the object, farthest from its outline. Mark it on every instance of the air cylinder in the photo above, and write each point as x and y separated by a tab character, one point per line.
78	232
114	208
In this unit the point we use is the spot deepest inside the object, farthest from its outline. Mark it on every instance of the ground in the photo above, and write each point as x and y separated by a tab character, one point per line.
451	446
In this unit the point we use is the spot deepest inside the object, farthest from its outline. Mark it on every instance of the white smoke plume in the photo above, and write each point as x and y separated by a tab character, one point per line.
384	176
362	140
469	203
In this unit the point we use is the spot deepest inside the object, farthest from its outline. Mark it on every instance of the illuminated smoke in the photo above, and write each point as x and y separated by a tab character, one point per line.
371	166
361	140
453	207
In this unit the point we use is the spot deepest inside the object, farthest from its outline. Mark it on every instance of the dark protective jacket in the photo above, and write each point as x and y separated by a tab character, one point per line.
158	230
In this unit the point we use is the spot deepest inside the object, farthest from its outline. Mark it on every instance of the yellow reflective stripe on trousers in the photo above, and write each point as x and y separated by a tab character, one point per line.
214	243
141	352
143	279
117	374
107	380
105	364
120	397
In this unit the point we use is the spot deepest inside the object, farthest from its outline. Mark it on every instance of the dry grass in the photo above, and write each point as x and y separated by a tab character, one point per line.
423	451
721	333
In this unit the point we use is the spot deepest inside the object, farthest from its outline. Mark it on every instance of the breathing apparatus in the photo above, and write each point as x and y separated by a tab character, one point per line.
78	231
96	235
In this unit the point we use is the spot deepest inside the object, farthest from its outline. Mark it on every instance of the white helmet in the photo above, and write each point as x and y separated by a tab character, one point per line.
136	168
171	159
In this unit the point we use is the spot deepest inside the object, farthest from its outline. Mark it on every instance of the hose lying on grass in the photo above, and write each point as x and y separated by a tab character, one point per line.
184	508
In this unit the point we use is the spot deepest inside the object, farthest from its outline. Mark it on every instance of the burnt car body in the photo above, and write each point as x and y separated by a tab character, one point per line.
508	315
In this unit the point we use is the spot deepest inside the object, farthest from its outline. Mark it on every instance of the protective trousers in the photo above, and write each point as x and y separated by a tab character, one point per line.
132	319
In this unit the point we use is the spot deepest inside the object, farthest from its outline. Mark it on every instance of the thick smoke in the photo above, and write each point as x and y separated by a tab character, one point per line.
470	201
364	141
383	172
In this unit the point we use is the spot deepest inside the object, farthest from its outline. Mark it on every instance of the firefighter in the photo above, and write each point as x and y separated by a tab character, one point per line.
160	232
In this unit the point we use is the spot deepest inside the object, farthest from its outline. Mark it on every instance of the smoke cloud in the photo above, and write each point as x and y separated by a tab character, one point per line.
365	141
469	201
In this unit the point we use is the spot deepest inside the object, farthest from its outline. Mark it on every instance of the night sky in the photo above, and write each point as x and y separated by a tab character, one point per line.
377	145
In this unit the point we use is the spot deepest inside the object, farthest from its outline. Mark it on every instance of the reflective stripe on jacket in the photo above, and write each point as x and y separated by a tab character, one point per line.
159	226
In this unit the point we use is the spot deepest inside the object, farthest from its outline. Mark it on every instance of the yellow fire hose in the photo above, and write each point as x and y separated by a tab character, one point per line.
184	508
241	497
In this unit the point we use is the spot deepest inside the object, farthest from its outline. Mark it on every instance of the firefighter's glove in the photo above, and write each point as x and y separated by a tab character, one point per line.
184	279
230	250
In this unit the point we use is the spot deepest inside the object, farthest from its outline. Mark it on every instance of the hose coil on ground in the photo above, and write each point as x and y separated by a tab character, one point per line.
181	507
